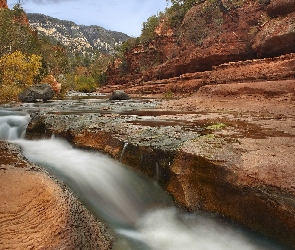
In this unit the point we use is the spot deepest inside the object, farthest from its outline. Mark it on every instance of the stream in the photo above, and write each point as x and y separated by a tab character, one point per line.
135	207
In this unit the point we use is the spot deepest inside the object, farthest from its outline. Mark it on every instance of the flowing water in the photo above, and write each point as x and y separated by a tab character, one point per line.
135	207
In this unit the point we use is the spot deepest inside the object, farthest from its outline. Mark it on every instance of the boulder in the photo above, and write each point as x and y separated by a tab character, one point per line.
119	95
37	92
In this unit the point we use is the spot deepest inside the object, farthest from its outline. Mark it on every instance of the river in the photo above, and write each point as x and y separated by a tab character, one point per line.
135	207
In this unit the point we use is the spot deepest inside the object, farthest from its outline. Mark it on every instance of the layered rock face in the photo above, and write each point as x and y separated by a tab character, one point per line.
249	71
255	29
37	213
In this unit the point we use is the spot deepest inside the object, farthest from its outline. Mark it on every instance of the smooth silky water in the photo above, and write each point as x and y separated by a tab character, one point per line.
135	207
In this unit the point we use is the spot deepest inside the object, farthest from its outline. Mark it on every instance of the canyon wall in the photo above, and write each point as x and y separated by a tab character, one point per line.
253	30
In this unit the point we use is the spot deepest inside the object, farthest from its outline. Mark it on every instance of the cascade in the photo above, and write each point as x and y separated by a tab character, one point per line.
123	151
135	207
13	124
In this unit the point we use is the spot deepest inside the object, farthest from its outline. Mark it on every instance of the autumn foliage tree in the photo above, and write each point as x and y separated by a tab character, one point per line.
17	71
25	57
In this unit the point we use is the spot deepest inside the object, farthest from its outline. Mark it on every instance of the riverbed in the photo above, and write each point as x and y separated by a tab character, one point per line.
157	142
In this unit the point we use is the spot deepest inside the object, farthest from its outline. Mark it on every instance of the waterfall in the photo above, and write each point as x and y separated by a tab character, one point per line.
13	124
136	208
112	192
123	151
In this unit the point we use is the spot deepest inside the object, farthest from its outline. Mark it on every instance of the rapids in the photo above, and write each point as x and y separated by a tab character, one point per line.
135	207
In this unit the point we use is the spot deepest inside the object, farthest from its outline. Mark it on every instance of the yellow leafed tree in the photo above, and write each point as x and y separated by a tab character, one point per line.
17	71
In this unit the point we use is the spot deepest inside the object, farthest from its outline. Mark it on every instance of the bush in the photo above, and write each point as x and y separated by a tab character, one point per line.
9	92
84	84
18	71
178	10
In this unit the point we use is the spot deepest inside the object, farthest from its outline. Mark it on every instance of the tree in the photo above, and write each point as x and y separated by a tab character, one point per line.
179	8
99	66
17	71
148	28
15	34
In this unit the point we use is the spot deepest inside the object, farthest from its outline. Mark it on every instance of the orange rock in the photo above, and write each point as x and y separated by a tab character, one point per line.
36	213
3	4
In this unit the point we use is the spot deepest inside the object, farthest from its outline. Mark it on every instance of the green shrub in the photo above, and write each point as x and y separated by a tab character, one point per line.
168	94
216	126
126	46
85	84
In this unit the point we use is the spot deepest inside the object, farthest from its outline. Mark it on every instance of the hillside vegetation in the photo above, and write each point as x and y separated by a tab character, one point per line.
79	39
197	35
75	56
189	36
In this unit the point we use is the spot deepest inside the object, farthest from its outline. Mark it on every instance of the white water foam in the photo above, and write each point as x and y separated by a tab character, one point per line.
12	125
168	229
115	193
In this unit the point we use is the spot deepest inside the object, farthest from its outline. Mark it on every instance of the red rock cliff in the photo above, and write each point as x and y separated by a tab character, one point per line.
255	29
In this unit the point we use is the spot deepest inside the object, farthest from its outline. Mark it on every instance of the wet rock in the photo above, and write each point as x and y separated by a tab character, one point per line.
242	169
119	95
37	92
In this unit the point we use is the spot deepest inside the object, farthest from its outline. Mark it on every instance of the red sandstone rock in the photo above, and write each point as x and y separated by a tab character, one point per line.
276	37
246	32
257	70
280	7
3	4
36	213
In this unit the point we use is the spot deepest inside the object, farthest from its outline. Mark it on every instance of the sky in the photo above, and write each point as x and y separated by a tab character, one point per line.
116	15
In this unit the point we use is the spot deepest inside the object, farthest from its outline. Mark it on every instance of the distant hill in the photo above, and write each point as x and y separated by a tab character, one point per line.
77	38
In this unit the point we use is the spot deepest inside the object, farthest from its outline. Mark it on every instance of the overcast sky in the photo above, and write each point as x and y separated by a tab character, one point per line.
117	15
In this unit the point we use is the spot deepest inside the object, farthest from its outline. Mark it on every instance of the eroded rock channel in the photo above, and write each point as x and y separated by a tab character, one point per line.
236	162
